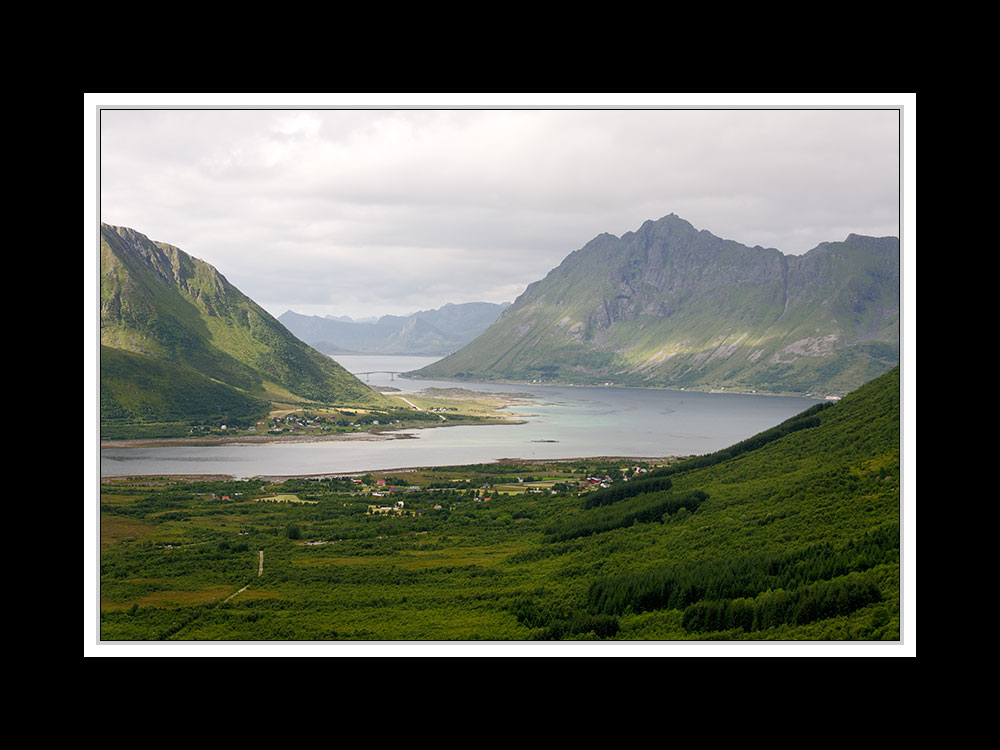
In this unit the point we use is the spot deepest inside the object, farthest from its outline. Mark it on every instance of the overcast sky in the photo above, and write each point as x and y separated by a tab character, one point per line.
373	211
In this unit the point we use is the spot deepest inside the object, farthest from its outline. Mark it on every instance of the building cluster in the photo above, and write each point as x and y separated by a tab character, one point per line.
396	509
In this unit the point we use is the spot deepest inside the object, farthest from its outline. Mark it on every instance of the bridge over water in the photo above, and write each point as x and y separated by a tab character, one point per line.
391	373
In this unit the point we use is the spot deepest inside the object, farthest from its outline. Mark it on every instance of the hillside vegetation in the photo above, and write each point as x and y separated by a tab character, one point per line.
672	306
179	342
793	534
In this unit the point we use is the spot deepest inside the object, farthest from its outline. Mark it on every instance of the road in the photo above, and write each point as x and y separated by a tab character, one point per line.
441	417
260	572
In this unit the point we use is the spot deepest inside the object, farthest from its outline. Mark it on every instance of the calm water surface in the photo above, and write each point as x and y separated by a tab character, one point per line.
566	422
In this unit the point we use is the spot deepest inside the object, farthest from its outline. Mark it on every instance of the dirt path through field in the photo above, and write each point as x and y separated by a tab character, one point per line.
260	572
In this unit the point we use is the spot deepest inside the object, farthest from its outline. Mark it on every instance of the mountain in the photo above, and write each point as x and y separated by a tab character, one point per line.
671	306
179	342
428	332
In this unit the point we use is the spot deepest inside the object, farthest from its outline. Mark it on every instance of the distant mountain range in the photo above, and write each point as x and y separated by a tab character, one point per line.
671	306
428	332
179	342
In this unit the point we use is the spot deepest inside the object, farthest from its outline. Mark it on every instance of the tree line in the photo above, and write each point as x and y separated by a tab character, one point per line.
679	586
558	622
817	601
802	421
645	508
625	490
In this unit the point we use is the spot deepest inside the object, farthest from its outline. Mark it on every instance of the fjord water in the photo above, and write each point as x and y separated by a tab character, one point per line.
562	422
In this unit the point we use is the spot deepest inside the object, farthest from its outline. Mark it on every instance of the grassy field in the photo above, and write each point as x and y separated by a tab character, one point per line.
286	499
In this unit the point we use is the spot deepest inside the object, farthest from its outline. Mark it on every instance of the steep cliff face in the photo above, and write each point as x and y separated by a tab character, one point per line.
183	322
669	305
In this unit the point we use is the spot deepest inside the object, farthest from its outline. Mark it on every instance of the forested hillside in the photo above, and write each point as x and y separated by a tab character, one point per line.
793	534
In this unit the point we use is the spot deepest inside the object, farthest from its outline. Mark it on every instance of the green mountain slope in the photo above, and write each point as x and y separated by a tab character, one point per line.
809	510
138	388
177	340
671	306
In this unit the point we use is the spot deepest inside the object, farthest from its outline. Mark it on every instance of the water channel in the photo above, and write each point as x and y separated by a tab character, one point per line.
561	422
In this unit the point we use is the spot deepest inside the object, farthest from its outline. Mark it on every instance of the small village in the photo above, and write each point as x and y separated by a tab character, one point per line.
382	488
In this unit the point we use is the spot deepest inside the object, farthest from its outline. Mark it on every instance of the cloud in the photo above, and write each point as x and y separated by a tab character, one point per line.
364	212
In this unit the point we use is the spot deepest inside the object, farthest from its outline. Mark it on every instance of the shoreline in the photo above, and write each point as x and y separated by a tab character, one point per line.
377	433
784	394
277	478
381	432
